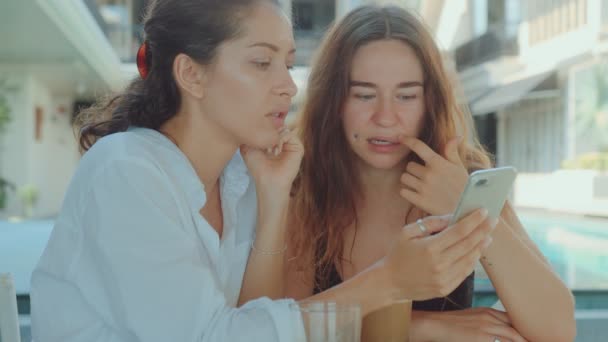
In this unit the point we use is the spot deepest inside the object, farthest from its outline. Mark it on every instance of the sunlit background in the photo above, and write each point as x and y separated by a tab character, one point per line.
534	74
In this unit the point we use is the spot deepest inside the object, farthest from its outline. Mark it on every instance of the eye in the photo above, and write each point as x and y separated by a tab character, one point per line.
406	97
262	65
365	97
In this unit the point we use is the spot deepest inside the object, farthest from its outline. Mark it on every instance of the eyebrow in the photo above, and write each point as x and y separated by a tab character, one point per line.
408	84
271	47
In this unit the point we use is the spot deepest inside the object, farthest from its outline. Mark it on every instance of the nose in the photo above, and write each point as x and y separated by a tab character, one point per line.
286	87
384	114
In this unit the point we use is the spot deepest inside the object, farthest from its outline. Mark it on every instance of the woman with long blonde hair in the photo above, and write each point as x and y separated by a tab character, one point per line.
386	144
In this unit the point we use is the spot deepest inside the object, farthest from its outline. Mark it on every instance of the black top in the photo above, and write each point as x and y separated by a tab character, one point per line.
460	298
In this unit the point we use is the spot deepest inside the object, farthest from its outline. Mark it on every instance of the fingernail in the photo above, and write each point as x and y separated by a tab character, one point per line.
484	212
493	222
275	151
487	242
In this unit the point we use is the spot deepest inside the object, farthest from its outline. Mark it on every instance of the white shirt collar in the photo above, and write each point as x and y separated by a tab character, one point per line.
234	179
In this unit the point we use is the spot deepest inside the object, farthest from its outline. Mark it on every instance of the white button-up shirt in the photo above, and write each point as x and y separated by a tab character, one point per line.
131	259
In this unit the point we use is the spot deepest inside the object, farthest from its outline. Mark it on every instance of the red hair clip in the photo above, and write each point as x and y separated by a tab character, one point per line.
142	64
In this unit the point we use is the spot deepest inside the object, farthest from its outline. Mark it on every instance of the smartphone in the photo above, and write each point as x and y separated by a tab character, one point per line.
485	189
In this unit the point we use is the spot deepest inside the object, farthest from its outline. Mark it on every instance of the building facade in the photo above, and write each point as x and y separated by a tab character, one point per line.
535	76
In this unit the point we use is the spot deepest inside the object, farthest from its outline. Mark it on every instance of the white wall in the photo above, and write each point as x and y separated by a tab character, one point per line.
454	26
567	191
531	135
13	143
48	163
54	157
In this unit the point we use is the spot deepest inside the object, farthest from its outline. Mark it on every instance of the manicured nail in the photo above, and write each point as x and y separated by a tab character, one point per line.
484	212
487	242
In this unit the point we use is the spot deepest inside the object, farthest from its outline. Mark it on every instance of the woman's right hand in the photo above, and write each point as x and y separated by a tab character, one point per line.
273	171
420	266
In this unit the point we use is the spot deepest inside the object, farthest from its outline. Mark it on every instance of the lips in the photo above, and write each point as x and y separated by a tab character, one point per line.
383	141
278	118
280	115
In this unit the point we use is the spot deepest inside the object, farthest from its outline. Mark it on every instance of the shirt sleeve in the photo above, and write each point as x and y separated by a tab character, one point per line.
154	279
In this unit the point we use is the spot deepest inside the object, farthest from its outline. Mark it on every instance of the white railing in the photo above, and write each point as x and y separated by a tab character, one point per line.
549	19
604	16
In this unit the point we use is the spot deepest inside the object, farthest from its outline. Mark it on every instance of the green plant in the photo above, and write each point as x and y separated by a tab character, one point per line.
5	110
5	186
592	107
5	119
589	161
29	197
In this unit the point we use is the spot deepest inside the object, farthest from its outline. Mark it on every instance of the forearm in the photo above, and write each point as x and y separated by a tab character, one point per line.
540	306
369	288
422	328
265	272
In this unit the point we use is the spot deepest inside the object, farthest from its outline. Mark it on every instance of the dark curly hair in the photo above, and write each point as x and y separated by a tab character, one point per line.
192	27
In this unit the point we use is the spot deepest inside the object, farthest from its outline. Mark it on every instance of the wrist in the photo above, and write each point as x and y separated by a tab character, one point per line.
273	204
499	234
273	194
272	187
391	287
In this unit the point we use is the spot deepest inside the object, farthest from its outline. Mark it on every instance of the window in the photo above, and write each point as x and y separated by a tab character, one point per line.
303	16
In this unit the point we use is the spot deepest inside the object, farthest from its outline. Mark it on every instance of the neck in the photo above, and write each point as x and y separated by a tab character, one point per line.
207	146
380	188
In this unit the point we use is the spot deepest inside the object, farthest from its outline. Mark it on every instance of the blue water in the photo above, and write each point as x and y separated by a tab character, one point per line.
21	244
576	247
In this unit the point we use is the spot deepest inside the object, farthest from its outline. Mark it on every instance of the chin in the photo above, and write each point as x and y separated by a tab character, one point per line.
262	142
382	162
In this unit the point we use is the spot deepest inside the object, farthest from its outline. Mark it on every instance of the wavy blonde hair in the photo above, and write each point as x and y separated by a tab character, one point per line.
328	184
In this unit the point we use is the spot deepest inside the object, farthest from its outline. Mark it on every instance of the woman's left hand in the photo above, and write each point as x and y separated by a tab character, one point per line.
434	187
468	325
275	169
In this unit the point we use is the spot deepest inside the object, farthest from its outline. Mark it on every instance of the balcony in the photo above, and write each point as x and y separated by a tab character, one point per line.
500	40
121	25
